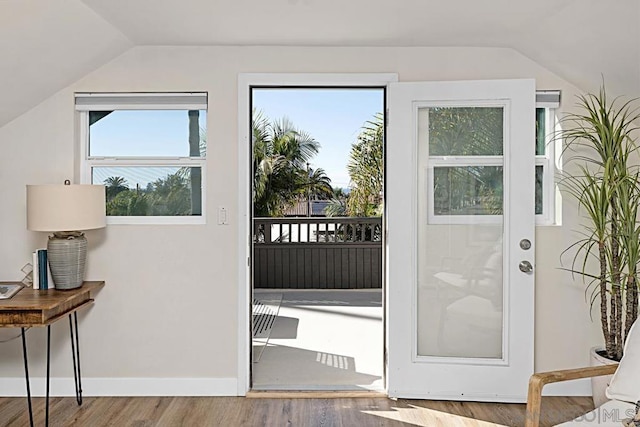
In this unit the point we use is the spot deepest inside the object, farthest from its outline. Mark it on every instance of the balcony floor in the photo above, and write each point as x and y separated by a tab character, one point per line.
319	340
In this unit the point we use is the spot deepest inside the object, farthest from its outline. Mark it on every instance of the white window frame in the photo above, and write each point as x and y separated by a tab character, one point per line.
86	102
550	101
550	161
461	161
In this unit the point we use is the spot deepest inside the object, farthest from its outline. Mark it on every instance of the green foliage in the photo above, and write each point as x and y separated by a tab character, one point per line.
337	203
176	194
280	173
115	185
318	184
128	203
467	131
168	196
600	142
336	207
366	169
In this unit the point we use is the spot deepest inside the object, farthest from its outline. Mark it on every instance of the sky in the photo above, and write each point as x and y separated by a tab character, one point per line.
333	117
131	133
143	133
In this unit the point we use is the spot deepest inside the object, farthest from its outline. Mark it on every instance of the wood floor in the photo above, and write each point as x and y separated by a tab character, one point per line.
239	411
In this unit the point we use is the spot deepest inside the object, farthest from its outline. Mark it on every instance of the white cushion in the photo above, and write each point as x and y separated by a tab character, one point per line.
625	384
610	414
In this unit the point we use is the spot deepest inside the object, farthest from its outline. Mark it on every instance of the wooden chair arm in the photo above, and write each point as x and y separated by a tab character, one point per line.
539	380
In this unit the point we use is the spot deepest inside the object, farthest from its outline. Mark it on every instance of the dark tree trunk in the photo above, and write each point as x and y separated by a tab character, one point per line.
196	173
604	320
631	303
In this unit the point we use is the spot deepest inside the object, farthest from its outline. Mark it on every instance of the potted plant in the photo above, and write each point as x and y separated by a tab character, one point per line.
604	180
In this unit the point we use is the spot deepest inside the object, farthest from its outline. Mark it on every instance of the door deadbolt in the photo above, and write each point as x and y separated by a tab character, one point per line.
525	266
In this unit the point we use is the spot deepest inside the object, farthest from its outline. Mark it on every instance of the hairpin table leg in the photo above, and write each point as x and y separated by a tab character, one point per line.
26	375
75	352
46	422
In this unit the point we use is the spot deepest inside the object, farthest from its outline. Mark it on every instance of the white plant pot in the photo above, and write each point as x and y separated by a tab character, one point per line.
600	384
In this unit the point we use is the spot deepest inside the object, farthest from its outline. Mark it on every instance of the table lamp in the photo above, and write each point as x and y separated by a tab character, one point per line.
65	210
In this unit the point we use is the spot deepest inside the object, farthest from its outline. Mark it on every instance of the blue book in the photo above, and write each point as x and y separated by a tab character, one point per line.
42	269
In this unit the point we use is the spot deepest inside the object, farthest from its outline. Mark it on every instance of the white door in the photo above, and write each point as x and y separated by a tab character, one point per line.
460	204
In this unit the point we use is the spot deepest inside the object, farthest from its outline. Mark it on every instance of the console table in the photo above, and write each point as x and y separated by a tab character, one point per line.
33	308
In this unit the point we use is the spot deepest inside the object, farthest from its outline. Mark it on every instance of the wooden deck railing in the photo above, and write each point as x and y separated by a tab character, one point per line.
318	253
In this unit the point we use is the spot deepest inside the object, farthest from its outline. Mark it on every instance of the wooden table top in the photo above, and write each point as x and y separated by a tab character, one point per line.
34	307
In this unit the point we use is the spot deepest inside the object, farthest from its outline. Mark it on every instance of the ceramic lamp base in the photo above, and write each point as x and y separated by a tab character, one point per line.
67	254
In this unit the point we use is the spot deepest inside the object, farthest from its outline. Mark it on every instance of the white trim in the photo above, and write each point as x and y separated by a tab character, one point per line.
466	161
496	160
83	133
138	94
245	82
157	220
316	79
98	387
127	101
147	106
63	387
549	162
140	101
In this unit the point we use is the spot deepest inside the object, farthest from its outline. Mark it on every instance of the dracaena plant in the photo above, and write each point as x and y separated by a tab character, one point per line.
601	152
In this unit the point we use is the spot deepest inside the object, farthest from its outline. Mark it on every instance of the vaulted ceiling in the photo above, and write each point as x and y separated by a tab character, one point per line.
47	44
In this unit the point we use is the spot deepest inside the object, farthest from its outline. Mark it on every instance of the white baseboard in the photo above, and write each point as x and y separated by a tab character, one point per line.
63	387
580	387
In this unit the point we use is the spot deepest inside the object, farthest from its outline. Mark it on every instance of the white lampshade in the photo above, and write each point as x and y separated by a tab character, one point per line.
65	207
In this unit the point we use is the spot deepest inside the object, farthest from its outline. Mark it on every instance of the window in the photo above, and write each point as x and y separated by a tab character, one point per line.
546	156
465	147
149	150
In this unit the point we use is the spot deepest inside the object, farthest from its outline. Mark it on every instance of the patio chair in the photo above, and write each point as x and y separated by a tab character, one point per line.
624	389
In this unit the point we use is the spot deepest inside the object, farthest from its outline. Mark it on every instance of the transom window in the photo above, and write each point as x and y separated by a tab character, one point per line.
149	150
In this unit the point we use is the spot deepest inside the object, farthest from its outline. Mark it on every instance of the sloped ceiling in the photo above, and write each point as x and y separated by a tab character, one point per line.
47	44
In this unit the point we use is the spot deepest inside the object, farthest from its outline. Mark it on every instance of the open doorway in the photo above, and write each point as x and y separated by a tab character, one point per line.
316	230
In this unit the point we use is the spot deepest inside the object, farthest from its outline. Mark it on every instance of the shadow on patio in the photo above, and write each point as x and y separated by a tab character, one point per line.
317	340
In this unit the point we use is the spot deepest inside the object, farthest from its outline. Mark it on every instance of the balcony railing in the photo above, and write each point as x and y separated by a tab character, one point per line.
318	253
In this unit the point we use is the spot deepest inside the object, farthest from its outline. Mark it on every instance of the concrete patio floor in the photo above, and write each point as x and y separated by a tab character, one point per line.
320	340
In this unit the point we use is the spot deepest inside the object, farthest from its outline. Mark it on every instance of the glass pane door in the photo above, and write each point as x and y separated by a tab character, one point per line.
460	231
460	200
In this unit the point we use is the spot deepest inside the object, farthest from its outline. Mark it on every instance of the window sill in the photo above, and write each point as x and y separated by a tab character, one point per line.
156	220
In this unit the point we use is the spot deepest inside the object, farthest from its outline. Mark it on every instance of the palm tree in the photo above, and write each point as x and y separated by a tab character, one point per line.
280	154
129	203
366	169
115	185
338	204
171	196
336	207
319	184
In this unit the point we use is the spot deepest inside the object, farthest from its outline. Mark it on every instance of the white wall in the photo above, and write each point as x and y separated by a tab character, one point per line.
168	310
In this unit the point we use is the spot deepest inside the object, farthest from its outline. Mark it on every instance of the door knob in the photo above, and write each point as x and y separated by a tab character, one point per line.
525	266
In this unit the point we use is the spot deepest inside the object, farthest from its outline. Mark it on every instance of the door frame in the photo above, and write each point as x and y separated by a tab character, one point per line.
277	80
